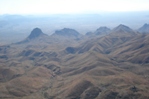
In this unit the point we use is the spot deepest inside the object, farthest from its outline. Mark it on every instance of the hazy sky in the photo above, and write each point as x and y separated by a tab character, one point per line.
70	6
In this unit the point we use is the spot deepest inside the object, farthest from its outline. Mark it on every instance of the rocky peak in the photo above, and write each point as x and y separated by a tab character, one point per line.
36	32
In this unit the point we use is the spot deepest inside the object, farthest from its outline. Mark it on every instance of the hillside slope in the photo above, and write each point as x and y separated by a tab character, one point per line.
114	66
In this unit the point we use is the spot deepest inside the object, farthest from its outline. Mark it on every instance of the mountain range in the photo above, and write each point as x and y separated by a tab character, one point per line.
105	64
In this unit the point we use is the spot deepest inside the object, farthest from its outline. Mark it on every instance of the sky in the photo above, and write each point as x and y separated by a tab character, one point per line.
71	6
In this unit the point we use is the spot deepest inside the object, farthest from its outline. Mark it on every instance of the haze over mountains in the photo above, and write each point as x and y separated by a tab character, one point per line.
104	64
21	25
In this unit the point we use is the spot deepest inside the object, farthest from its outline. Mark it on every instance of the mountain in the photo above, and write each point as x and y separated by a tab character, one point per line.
67	33
123	29
102	31
35	33
144	28
103	44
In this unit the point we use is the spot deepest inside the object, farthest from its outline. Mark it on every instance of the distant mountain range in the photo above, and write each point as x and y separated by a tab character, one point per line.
101	31
104	64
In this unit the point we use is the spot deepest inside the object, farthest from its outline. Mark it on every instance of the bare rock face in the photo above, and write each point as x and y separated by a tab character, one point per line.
35	33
